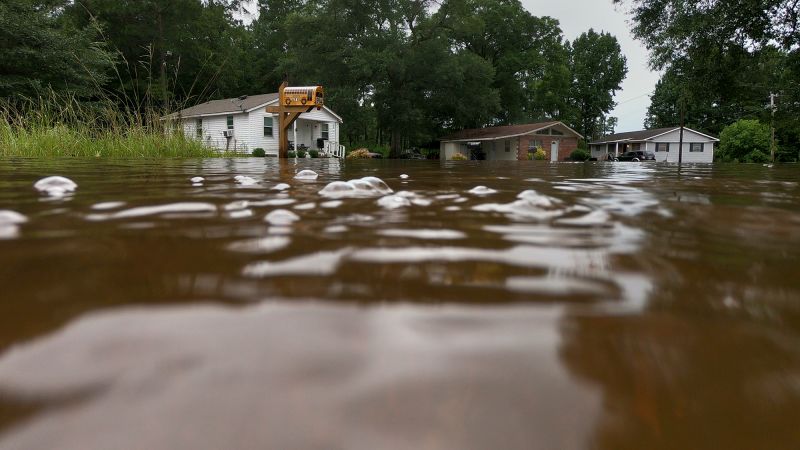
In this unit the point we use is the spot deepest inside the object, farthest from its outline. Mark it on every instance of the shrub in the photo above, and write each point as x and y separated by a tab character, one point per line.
291	154
459	157
259	152
361	153
744	141
538	155
301	153
756	156
314	153
579	154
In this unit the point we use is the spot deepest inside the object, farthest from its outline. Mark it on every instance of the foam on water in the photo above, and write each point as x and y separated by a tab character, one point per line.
305	206
306	175
403	176
281	217
55	186
393	202
275	202
530	205
241	214
361	187
197	180
280	187
237	205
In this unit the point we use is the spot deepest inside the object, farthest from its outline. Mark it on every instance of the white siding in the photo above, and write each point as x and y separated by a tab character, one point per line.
448	149
496	150
673	138
249	130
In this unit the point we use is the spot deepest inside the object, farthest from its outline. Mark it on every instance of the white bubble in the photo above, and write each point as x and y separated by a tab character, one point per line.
281	217
403	176
306	175
197	180
280	187
260	245
8	217
331	204
305	206
362	187
244	180
237	205
55	186
393	202
482	190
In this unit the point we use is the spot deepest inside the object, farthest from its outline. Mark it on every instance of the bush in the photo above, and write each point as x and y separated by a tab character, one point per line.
291	154
579	154
756	156
259	152
360	153
744	141
301	153
538	155
459	157
314	153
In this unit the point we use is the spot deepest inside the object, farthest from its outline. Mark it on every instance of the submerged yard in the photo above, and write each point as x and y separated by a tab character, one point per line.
257	303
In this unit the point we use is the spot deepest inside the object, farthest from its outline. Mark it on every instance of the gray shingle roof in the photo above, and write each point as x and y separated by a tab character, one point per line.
228	105
634	135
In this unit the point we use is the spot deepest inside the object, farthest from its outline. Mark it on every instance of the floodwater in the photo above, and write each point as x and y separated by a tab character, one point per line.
468	305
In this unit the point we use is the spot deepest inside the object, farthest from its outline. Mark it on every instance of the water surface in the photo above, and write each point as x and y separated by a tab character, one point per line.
598	305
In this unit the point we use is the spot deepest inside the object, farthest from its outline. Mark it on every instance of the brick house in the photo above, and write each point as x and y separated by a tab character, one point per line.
512	142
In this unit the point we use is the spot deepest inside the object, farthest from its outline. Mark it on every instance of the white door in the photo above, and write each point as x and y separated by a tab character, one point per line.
554	151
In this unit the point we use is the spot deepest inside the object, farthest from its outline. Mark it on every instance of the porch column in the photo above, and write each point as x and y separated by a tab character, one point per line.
616	149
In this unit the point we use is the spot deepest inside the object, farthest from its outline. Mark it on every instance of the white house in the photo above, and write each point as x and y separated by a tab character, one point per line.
663	142
243	124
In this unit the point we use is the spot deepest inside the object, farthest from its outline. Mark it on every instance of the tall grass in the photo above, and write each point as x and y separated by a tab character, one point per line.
61	126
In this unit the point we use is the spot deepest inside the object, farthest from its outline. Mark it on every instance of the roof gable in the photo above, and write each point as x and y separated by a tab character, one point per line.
505	131
645	135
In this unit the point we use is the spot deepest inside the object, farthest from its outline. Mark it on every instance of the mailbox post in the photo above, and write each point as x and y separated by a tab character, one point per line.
290	105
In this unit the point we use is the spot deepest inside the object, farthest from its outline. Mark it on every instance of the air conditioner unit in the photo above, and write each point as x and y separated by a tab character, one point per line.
228	133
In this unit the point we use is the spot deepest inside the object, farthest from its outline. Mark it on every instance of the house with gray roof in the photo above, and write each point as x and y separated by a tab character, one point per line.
242	124
663	142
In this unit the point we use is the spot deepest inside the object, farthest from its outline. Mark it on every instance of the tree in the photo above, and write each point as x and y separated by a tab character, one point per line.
598	68
745	141
39	52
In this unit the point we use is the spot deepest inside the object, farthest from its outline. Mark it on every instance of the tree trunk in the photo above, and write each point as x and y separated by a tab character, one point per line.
396	144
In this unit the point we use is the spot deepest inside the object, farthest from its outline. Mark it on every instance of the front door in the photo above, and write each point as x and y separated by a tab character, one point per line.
554	151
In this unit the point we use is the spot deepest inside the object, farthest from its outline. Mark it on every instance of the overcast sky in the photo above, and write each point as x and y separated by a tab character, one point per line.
577	16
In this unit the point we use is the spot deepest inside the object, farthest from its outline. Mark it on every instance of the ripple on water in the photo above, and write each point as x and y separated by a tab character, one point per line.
482	190
362	187
173	209
55	186
263	245
423	234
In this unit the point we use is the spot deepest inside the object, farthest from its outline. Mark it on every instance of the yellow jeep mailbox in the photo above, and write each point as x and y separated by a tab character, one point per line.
302	96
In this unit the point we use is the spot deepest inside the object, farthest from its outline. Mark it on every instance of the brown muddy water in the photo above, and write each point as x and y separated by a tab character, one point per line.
565	306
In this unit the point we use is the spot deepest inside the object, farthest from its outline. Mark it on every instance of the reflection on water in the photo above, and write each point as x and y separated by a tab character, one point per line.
399	304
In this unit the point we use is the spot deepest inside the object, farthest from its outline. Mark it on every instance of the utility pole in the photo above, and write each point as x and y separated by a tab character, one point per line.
772	143
683	118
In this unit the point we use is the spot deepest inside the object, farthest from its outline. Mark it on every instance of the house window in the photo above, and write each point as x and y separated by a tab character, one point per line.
268	126
545	131
555	132
662	147
325	131
533	144
229	120
199	128
508	146
696	147
636	146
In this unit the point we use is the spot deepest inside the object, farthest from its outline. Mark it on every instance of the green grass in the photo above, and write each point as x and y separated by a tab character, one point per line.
59	127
